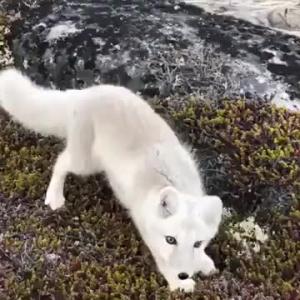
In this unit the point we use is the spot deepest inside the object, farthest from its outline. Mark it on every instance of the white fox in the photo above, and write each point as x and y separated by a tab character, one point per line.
109	128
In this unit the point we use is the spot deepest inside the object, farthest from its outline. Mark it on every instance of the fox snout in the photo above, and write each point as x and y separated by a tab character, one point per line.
183	276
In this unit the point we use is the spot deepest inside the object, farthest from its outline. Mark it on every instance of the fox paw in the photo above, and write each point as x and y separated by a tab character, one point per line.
54	200
207	266
187	285
211	272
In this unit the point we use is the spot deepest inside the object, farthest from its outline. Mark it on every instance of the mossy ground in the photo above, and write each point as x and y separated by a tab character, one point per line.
255	144
91	250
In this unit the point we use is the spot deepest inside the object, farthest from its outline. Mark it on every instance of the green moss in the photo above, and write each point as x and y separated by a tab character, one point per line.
258	144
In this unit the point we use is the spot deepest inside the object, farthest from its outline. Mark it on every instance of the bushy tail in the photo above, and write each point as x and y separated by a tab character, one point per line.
41	110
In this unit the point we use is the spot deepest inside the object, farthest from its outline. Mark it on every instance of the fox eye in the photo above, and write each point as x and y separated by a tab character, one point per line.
197	244
171	240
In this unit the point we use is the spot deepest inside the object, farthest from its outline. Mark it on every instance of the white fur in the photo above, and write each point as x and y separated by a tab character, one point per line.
109	128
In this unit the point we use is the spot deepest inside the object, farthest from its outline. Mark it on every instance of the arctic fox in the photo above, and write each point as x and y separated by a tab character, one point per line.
109	128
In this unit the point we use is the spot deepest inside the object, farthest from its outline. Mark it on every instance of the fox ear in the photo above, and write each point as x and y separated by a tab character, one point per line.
168	202
211	208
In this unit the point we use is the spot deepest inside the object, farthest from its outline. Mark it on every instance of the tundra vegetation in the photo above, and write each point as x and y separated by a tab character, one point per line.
249	153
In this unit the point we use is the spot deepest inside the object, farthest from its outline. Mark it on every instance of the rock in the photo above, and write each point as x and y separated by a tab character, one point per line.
285	18
158	48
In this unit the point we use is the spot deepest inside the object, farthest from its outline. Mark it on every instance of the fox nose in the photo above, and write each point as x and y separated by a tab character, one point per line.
183	276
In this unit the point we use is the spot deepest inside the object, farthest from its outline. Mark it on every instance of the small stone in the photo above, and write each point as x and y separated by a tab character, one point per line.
52	257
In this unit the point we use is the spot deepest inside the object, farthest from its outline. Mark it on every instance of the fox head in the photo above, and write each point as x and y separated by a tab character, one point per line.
178	227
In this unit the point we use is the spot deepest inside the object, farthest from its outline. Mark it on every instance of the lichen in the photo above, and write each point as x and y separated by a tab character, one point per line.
5	53
249	230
